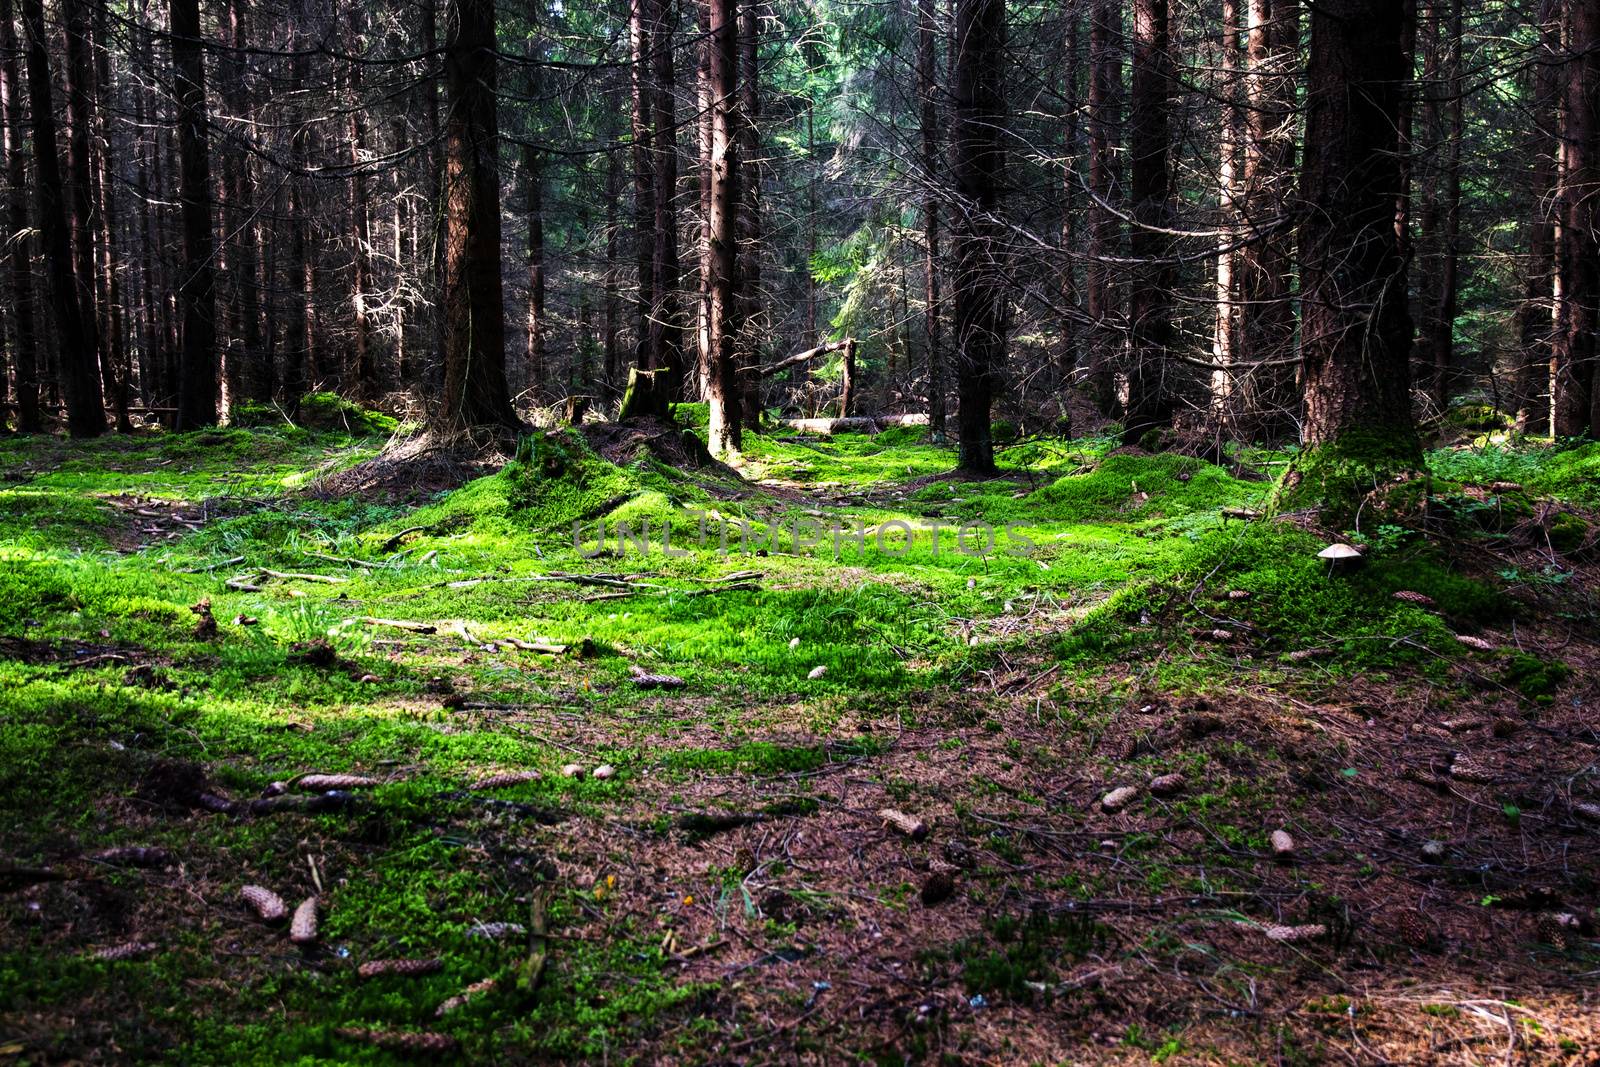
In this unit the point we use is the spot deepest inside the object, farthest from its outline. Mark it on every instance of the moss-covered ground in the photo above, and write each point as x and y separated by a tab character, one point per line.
991	658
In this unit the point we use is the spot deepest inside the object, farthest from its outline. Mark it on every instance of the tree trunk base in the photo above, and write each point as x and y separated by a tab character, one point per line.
646	396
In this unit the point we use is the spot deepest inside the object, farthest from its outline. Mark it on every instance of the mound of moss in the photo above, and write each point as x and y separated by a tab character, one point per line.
318	411
1365	473
1161	484
1293	601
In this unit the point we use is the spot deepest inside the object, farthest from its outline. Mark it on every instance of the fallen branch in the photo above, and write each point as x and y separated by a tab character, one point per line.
799	357
399	624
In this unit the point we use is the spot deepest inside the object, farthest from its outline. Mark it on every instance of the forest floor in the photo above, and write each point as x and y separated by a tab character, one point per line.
190	623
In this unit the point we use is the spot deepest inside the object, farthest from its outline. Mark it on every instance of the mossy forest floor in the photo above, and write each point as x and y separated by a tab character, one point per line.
732	893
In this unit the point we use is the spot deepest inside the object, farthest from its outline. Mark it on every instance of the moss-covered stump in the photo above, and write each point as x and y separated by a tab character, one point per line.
1364	477
645	397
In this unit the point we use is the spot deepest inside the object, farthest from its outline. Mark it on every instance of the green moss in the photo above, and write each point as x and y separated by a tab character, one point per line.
329	411
1568	532
1536	679
1364	473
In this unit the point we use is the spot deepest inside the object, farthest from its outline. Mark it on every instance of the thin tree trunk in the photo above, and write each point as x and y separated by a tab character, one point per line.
640	24
1225	323
928	104
475	392
1264	265
25	351
1355	323
666	271
110	267
1442	315
613	303
74	320
1535	316
1150	305
197	392
364	369
703	353
1105	121
1577	401
533	175
78	86
977	165
752	322
724	425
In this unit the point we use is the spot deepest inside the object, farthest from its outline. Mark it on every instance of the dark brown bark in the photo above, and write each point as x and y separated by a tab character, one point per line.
724	426
640	24
1105	120
928	113
1225	322
613	300
1442	221
116	372
1355	323
703	180
1264	265
977	164
24	348
1150	303
77	84
1534	318
666	322
300	369
752	322
73	310
197	390
533	340
254	377
475	392
1577	401
364	369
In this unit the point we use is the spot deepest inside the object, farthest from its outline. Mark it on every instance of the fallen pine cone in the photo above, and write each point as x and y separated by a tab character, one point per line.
572	770
416	1041
1283	845
604	771
500	781
1410	597
497	931
909	825
321	783
1239	594
463	998
303	928
267	905
1118	799
937	888
1468	769
1414	929
404	968
1583	809
816	672
1223	636
1301	655
1309	932
134	856
1559	929
1167	784
128	950
1475	642
645	680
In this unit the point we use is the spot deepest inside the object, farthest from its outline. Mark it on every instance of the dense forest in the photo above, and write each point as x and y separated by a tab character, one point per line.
800	531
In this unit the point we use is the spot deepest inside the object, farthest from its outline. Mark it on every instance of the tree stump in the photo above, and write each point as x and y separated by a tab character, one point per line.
645	396
577	407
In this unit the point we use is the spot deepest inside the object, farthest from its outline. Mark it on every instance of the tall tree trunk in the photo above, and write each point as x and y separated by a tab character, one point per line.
1150	305
533	175
364	369
1105	124
752	321
724	425
1447	197
640	25
475	392
436	194
1355	322
256	377
666	271
703	353
78	85
197	392
25	350
1067	347
69	299
299	371
1577	401
1263	266
1535	316
110	322
928	104
977	164
1225	322
613	304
